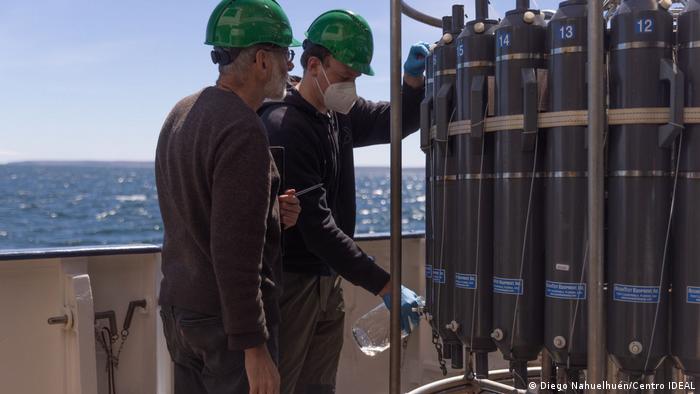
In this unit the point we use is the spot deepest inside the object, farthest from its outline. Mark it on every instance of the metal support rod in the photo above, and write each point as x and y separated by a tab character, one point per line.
612	374
520	374
562	376
482	365
548	370
457	18
419	16
677	376
455	383
495	387
596	102
395	251
498	375
482	9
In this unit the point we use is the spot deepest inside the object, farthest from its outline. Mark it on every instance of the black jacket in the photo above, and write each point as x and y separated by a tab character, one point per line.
318	149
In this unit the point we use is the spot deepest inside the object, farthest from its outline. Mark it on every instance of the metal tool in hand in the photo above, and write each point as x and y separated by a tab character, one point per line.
308	189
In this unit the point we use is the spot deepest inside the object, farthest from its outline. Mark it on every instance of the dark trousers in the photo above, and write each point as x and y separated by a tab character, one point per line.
198	347
311	334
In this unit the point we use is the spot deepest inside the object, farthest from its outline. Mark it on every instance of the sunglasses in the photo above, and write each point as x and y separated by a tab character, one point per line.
289	54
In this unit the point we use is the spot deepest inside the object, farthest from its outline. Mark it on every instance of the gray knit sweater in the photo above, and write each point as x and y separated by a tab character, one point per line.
217	190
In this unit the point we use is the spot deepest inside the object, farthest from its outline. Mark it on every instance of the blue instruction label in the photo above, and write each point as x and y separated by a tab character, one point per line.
637	294
465	281
428	271
507	286
438	276
565	290
694	295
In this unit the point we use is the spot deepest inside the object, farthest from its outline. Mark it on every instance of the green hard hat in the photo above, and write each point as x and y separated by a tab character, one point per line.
347	36
244	23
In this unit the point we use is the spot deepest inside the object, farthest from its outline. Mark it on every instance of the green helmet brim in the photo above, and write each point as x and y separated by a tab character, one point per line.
362	68
295	43
368	71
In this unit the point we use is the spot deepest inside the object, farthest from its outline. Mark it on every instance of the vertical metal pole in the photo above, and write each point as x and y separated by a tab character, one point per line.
395	252
613	375
596	102
522	4
548	372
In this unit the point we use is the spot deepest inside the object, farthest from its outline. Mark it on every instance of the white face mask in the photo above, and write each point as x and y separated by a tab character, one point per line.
339	97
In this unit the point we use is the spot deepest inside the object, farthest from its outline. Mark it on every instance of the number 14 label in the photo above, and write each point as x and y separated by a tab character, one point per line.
504	40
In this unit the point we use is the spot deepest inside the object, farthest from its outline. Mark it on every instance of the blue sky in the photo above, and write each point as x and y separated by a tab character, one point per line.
94	79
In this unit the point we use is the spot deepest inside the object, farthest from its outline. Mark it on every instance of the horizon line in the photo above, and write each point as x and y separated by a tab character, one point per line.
143	162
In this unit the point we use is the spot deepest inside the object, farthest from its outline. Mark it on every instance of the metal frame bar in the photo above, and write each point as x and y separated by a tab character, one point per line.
397	8
596	128
419	16
395	243
492	384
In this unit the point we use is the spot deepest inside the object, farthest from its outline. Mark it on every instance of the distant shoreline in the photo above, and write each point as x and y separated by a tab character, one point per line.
82	163
131	164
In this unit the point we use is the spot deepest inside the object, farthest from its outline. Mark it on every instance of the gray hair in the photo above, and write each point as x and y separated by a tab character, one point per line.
243	59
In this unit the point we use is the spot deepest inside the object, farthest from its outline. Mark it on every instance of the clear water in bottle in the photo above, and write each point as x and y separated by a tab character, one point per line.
371	331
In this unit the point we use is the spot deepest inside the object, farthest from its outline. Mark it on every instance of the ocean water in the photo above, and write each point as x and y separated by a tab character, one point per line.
52	204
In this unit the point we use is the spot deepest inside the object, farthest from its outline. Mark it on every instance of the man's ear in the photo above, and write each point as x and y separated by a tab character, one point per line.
313	64
263	65
261	59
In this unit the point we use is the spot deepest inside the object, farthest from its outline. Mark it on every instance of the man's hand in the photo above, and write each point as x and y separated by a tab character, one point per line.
263	377
414	66
386	289
410	302
289	208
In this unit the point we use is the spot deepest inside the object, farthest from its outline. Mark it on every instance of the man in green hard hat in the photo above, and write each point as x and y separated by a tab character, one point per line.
218	195
319	122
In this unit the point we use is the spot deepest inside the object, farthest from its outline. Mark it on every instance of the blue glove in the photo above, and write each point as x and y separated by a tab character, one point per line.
409	301
415	64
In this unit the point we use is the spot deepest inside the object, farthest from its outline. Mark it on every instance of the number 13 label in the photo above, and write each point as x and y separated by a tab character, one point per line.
566	32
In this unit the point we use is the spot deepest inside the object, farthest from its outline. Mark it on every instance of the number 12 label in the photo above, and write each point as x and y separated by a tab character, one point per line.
644	25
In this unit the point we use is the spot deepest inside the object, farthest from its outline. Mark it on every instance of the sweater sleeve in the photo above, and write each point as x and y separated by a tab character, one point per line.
240	201
371	120
321	234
